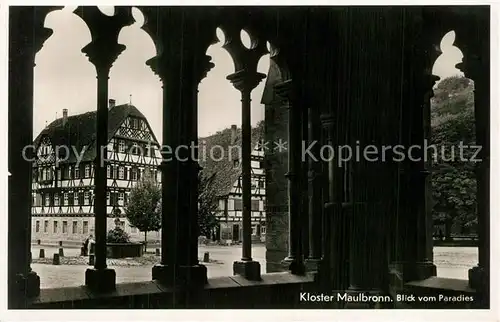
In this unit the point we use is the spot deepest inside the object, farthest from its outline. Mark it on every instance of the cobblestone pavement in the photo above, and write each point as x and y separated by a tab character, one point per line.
74	275
452	262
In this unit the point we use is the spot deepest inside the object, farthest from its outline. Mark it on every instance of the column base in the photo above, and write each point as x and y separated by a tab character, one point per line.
403	272
29	285
100	280
477	277
295	266
189	276
248	269
312	264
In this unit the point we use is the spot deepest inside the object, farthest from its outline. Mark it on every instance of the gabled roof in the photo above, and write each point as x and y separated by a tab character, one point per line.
80	130
220	163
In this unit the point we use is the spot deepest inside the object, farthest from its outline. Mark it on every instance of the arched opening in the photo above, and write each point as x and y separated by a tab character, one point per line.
220	124
453	166
65	101
134	153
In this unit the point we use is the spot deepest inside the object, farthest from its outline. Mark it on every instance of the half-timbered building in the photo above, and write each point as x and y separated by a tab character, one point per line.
221	157
63	171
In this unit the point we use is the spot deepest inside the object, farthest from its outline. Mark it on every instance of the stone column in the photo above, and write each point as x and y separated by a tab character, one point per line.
179	257
413	241
476	66
315	192
26	38
102	52
295	259
245	81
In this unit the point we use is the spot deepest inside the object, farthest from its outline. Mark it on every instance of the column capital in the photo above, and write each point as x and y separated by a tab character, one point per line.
102	55
244	80
104	48
204	66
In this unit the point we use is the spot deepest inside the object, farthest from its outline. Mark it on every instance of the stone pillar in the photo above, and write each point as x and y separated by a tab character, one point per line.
315	192
476	66
413	239
102	52
179	263
295	256
245	81
276	118
26	38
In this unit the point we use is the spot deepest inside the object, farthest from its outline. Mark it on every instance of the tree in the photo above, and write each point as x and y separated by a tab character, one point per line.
143	210
453	178
207	204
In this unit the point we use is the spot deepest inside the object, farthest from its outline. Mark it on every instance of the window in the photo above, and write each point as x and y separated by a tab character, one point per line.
55	227
59	173
107	198
46	226
56	199
70	172
133	174
85	227
115	170
121	146
121	198
254	230
66	198
37	226
261	183
238	204
121	174
87	171
108	171
87	198
255	205
75	198
262	230
65	227
77	171
47	199
75	227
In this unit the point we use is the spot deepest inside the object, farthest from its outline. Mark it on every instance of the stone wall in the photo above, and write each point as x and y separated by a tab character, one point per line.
276	128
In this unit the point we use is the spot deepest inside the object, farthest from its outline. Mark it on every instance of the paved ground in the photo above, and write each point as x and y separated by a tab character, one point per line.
452	262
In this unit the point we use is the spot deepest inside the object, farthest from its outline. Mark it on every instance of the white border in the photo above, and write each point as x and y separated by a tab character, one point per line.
257	315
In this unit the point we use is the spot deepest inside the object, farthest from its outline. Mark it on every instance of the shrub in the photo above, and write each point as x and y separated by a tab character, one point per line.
118	235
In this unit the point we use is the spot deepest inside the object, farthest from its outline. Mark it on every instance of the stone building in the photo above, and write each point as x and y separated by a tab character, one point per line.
347	74
63	172
223	161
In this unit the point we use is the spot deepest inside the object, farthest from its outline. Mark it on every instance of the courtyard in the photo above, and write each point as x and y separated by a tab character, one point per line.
451	262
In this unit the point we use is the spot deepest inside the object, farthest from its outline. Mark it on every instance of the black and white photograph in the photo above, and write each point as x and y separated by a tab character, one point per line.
229	157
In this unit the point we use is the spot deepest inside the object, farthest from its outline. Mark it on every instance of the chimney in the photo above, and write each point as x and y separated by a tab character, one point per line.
233	134
112	103
65	116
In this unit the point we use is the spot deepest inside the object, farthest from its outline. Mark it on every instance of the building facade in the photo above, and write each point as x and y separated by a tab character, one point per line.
63	172
222	151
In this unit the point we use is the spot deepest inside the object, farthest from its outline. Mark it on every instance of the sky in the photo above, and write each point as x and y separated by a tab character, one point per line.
64	78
